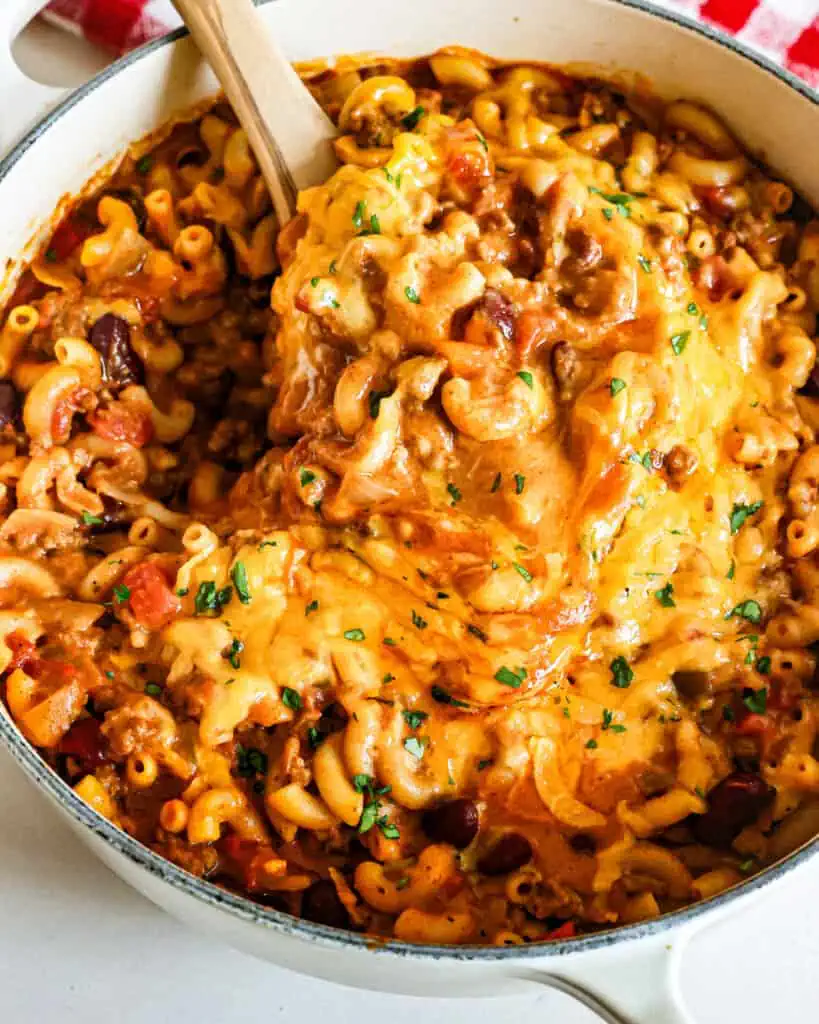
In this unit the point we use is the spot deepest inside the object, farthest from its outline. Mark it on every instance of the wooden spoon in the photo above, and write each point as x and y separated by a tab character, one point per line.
289	132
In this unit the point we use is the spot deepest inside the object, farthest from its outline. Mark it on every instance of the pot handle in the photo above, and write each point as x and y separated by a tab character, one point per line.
22	101
631	986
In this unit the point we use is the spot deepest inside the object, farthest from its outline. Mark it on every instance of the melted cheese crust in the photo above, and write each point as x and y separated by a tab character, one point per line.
527	568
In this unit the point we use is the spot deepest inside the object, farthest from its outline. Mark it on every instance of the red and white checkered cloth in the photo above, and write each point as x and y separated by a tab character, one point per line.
786	31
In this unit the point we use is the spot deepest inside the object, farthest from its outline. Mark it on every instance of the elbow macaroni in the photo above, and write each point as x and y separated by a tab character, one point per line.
445	563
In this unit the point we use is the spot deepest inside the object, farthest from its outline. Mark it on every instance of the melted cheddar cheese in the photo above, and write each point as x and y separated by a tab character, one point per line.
466	593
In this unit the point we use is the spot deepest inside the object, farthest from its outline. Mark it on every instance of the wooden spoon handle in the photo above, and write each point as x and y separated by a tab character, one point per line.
289	132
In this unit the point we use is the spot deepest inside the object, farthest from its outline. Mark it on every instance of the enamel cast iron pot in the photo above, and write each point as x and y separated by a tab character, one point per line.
625	975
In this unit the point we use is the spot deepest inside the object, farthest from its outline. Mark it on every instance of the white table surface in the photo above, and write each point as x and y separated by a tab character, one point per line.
77	946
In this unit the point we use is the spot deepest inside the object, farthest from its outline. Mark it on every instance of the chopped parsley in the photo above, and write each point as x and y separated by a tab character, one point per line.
314	281
454	493
333	268
728	713
291	698
443	696
742	512
644	263
679	341
233	653
749	610
527	378
591	745
621	673
90	520
509	677
756	701
410	120
209	599
414	718
250	761
619	200
412	295
268	544
358	214
121	593
617	385
372	807
239	576
314	737
523	571
416	745
664	596
417	621
763	666
310	608
144	164
355	634
496	483
152	689
520	483
306	477
732	568
608	717
51	255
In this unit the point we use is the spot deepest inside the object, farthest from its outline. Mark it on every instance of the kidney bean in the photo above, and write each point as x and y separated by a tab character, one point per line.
320	903
455	822
111	337
9	404
733	804
500	311
511	852
84	742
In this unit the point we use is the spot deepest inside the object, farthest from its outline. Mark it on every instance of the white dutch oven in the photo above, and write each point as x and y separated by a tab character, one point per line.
628	975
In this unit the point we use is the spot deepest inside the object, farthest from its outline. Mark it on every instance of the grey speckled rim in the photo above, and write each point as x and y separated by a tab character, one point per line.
316	934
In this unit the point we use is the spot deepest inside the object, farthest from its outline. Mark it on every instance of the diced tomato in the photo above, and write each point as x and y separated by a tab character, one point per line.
84	742
567	930
468	163
121	423
718	200
23	653
534	329
28	288
753	725
72	232
245	856
151	599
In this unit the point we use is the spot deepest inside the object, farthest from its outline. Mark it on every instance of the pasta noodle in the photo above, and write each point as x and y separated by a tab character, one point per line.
444	565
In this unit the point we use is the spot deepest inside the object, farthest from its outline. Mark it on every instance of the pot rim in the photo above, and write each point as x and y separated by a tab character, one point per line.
242	907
